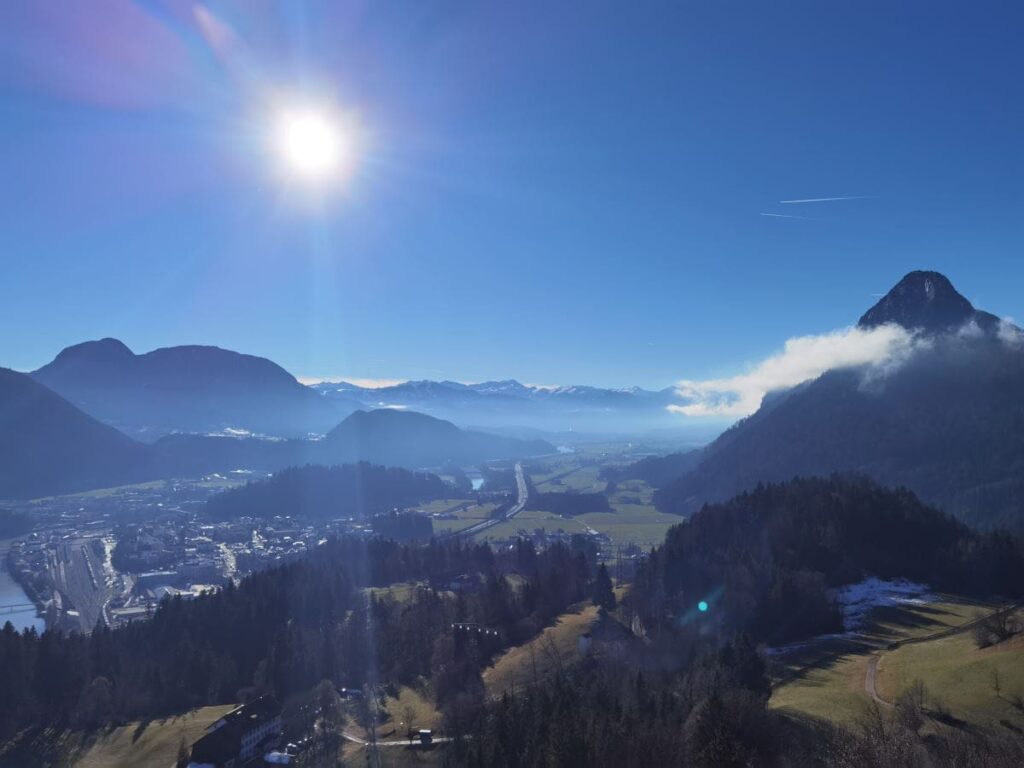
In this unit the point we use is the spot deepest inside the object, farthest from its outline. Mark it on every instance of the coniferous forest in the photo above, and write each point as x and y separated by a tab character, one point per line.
679	681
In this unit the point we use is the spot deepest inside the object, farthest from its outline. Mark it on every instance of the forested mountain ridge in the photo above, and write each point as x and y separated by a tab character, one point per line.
948	422
284	630
319	492
411	439
696	687
50	447
765	559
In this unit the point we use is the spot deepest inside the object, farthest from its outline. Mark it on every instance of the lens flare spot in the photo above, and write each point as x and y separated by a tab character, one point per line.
702	606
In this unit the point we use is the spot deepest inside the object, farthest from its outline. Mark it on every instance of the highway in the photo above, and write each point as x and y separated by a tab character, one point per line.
522	496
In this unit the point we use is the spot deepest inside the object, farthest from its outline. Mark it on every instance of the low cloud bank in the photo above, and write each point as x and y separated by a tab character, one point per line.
1010	334
802	358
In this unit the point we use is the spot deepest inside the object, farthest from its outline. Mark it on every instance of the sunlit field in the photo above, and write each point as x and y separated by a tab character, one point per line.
148	743
827	679
557	647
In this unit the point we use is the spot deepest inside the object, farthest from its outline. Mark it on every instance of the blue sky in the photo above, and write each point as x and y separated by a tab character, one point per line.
561	193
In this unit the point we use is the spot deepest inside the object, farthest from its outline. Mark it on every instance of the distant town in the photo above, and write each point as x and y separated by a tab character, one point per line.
109	558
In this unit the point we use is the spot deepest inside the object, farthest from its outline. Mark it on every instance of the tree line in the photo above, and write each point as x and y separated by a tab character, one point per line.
284	630
314	491
764	561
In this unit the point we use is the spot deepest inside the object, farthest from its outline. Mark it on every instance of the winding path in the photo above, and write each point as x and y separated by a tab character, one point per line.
871	673
870	677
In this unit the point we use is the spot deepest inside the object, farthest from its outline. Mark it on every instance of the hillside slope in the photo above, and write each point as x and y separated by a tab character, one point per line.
187	389
948	423
49	446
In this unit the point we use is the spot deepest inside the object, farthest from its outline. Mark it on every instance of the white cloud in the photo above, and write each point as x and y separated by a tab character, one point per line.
803	358
1009	333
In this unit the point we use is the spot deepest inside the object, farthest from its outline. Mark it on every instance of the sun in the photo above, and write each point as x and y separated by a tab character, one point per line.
314	145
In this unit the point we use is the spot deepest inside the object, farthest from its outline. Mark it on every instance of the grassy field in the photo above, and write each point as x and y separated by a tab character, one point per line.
407	702
633	519
466	513
528	520
632	523
555	646
400	592
578	478
978	685
826	680
831	687
102	493
153	743
444	505
414	703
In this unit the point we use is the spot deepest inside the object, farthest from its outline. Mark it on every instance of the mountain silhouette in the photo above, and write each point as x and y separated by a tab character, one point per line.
187	389
948	423
48	446
926	301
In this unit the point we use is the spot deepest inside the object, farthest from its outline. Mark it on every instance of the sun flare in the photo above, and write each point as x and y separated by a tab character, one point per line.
314	145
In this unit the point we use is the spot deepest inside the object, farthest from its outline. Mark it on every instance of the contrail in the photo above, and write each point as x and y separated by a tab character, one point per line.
785	216
825	199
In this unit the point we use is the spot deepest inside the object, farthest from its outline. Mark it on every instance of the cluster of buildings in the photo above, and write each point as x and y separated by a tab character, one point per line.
162	545
183	556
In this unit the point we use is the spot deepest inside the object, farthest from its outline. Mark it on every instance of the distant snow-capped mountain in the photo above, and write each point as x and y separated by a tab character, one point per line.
510	402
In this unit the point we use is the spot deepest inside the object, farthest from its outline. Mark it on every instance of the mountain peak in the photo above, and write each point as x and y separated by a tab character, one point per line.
503	387
106	350
925	300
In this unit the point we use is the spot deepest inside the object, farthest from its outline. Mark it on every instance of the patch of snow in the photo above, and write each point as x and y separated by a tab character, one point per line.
856	601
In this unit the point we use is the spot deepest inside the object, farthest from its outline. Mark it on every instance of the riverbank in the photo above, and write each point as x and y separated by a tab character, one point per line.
12	593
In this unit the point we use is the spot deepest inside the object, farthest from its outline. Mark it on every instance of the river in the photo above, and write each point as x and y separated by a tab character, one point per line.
11	593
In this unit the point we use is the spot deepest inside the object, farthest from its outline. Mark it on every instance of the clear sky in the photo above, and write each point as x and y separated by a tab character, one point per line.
557	192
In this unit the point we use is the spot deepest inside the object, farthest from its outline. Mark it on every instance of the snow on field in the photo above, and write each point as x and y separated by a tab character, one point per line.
856	601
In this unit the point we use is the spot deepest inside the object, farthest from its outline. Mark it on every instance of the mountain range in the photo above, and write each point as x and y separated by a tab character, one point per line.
948	422
505	403
205	389
49	446
187	389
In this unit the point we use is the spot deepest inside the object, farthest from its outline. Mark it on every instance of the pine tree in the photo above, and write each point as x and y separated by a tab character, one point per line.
603	594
